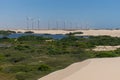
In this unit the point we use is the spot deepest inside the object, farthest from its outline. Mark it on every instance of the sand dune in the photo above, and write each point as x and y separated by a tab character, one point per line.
113	33
92	69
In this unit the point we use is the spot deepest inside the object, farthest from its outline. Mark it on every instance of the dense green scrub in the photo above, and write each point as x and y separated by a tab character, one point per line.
31	57
5	33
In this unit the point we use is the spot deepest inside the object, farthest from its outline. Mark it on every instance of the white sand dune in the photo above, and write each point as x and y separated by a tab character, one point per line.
113	33
92	69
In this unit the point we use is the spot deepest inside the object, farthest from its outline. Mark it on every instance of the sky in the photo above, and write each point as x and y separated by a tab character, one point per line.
52	13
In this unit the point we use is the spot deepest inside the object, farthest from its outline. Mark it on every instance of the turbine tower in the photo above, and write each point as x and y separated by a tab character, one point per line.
57	25
64	25
48	25
32	20
27	22
38	24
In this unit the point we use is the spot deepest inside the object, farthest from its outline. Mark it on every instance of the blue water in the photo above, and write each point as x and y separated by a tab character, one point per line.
57	36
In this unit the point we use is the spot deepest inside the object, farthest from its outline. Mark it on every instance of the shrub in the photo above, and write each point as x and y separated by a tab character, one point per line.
74	33
2	57
106	54
32	38
104	40
21	76
82	55
17	68
43	67
117	51
20	47
5	33
16	59
29	32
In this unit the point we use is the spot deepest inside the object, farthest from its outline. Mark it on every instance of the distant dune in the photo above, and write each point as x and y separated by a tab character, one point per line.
91	69
113	33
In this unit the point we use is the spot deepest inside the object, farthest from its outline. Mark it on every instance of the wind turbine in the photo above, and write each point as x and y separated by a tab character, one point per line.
64	25
38	24
57	25
48	25
27	22
32	20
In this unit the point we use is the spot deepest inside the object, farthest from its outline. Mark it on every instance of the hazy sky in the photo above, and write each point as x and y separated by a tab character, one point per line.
93	13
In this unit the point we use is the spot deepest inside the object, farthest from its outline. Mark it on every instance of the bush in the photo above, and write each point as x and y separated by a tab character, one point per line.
82	55
117	51
43	68
69	38
104	40
16	59
22	47
25	76
5	33
32	38
2	57
106	54
21	76
29	32
54	51
15	69
74	33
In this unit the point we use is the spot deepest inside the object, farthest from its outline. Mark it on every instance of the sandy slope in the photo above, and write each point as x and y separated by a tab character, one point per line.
114	33
92	69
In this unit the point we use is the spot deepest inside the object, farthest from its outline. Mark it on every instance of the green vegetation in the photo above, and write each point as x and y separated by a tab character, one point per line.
5	33
73	33
29	32
106	54
31	57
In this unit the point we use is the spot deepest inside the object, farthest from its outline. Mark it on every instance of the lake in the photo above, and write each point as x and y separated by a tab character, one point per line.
56	36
